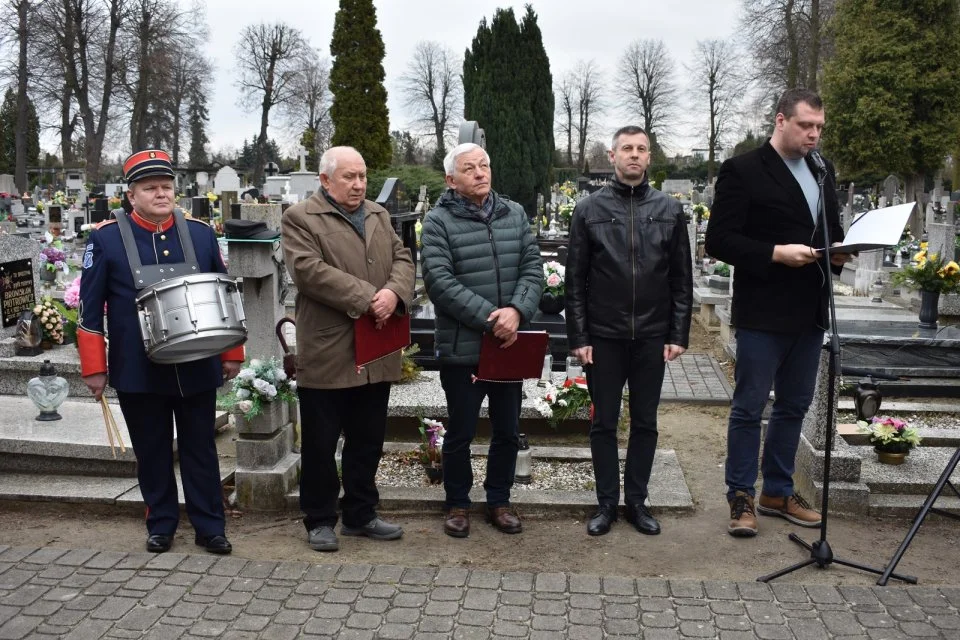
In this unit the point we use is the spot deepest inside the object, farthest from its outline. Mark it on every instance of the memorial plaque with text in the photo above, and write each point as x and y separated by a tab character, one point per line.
16	290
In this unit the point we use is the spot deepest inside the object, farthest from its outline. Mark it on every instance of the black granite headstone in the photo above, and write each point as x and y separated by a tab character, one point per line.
17	292
101	210
201	208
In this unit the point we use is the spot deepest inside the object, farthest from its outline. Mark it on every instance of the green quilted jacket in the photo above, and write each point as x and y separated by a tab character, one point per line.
472	267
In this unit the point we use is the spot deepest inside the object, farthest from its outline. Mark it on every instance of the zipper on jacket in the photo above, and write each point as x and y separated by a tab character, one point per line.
633	269
456	339
496	260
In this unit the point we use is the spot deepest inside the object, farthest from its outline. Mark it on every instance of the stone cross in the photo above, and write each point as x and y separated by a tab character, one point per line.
302	152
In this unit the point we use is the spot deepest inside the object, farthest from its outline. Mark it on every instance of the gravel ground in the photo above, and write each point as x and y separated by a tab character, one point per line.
405	470
919	419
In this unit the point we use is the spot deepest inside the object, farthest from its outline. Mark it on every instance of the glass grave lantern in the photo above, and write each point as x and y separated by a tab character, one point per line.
47	391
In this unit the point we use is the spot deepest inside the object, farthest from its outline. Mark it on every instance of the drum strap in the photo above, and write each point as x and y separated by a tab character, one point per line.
150	274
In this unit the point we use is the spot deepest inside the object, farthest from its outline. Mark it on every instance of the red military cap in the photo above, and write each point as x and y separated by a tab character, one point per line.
147	163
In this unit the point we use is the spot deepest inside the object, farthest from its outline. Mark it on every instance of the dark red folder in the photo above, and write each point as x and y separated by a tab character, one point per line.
371	344
523	359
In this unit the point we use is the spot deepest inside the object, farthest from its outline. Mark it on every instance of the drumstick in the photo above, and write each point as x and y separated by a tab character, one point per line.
106	423
112	427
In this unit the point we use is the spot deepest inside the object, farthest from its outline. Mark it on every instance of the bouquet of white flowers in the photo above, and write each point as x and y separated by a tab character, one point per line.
259	381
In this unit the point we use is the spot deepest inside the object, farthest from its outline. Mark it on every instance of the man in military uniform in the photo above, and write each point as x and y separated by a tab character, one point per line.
153	395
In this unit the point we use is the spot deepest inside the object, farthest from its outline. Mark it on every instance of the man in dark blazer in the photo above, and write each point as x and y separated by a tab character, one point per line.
764	223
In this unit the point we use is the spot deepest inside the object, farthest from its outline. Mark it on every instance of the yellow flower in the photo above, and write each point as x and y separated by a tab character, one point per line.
920	256
951	268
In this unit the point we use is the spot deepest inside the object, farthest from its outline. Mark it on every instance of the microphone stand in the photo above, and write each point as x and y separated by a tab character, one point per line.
820	552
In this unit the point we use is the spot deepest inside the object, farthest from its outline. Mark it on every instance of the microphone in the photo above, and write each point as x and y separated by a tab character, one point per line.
818	162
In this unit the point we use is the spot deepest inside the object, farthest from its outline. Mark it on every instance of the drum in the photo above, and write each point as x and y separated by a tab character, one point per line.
191	318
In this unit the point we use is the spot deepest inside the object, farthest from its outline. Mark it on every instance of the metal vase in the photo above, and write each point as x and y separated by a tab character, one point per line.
929	309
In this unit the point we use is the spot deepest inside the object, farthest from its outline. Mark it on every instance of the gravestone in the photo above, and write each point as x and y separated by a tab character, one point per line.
54	216
227	200
101	210
303	183
7	183
709	192
226	180
470	131
683	187
393	197
200	208
869	268
202	179
19	279
276	186
891	185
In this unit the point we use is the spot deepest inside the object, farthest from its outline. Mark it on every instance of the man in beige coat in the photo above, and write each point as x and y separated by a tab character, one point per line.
346	261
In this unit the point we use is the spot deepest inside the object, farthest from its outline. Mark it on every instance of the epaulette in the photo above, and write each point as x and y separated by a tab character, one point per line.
105	223
206	224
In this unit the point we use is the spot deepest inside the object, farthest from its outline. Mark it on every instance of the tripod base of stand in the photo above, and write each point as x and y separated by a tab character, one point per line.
822	555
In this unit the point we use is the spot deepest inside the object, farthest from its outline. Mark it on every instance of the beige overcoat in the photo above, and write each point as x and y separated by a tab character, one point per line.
337	274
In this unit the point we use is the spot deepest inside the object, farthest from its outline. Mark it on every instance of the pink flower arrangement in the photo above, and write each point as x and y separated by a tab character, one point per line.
71	296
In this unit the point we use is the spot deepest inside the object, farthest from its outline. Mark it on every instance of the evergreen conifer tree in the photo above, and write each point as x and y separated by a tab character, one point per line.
8	131
359	110
197	120
892	87
508	90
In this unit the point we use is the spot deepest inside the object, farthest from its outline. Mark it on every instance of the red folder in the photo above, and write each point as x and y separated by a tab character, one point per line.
523	359
371	344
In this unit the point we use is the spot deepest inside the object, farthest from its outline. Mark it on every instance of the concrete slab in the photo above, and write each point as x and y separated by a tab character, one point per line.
81	433
668	492
51	488
693	378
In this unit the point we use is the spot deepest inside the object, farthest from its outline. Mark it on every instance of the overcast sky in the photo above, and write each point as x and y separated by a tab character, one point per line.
573	30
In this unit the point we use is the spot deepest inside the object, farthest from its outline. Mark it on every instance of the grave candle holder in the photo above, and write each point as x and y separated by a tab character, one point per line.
47	392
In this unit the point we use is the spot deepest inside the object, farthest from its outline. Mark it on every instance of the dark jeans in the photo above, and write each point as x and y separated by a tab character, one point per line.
463	409
150	419
788	362
360	413
614	363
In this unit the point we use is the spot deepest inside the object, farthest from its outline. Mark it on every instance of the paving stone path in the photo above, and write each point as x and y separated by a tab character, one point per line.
695	377
82	594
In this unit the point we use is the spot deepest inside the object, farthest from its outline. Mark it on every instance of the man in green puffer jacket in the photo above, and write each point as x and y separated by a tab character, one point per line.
483	272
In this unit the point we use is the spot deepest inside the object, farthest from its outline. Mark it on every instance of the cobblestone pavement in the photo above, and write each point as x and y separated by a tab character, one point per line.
48	593
695	377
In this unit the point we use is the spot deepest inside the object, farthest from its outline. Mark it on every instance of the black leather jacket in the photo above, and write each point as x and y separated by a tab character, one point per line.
628	272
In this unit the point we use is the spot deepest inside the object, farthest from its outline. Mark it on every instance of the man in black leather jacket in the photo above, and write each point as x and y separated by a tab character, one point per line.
629	291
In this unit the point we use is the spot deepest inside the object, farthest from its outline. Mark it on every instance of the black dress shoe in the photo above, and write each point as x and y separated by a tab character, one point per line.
639	516
601	521
215	544
159	543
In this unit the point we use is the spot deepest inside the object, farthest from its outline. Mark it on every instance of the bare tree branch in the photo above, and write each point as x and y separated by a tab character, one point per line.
268	57
433	92
718	87
644	83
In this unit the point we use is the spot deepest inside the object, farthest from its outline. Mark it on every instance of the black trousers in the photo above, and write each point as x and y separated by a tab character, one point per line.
360	413
614	363
150	418
464	397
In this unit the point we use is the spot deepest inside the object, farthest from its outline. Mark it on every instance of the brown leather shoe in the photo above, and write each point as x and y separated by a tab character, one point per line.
504	519
457	523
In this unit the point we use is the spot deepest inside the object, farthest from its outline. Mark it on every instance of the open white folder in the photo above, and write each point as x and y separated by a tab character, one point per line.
876	229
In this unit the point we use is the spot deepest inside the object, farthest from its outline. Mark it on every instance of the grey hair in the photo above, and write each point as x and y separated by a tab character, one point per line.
450	161
328	161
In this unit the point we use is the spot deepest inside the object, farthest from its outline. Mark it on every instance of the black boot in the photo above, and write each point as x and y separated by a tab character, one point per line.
601	521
